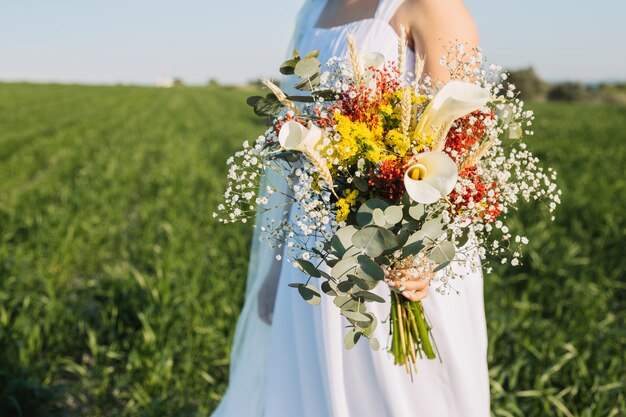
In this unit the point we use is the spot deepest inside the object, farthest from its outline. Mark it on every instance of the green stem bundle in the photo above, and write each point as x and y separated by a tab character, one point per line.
409	332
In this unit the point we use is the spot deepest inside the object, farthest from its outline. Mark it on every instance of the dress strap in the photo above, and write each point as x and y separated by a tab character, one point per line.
387	8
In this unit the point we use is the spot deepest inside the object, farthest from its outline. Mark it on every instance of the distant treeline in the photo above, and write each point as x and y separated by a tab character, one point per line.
532	87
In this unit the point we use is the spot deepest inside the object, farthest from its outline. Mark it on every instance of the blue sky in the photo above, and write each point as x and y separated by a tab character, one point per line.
137	41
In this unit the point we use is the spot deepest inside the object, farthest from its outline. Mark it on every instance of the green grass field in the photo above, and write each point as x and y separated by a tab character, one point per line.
119	293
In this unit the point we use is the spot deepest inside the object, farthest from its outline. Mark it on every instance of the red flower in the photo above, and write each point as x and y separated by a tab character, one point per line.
479	193
388	179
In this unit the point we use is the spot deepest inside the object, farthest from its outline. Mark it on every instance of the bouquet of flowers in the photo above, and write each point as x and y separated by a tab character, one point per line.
389	172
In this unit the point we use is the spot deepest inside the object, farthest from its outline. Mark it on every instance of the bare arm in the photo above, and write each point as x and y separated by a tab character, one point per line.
434	25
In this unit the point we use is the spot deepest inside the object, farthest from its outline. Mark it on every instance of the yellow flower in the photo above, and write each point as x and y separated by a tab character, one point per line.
344	205
357	140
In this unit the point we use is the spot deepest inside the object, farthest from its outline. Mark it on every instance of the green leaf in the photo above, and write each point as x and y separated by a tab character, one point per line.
360	184
417	211
370	240
265	106
327	289
393	214
287	67
342	240
432	229
309	268
355	316
328	95
370	296
441	266
351	339
374	240
344	266
308	67
310	294
313	54
369	330
308	84
364	215
369	270
413	245
443	252
301	99
374	344
345	286
379	217
363	284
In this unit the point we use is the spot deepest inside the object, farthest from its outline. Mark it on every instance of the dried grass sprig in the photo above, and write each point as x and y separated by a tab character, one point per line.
420	62
320	164
280	95
355	59
473	158
402	46
406	110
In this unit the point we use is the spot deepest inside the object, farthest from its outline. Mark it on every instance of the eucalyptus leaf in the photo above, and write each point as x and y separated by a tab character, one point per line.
364	215
313	54
374	240
356	316
342	300
328	95
351	339
441	266
370	296
307	67
342	240
344	266
265	106
327	289
363	284
309	268
379	217
443	252
369	330
310	294
417	211
413	245
287	67
393	214
431	229
308	84
374	344
301	99
345	286
360	184
368	269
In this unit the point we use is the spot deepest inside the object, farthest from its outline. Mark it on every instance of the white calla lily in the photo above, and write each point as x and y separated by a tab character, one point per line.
456	99
295	137
372	59
431	177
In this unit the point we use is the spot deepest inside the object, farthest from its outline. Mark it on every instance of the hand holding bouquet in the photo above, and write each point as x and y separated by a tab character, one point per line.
395	180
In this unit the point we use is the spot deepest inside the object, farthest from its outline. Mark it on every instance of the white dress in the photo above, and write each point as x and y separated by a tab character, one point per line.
298	366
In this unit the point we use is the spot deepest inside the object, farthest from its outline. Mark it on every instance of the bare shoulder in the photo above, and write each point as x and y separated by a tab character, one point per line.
442	20
435	25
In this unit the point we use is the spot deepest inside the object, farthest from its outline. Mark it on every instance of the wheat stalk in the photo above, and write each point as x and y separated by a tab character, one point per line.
473	158
402	45
280	95
320	164
406	107
420	61
355	59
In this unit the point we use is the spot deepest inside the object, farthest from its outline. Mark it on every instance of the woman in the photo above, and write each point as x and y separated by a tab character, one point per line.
288	358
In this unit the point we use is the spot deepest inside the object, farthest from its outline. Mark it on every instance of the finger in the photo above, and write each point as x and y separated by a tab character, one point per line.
416	295
414	285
